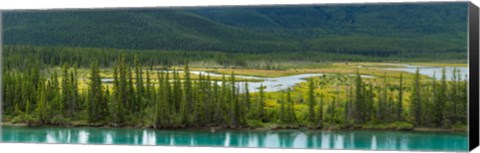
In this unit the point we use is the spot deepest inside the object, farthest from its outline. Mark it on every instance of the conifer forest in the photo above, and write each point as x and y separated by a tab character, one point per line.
394	67
43	88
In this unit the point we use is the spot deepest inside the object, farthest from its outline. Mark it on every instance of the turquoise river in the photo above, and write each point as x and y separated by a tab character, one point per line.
314	139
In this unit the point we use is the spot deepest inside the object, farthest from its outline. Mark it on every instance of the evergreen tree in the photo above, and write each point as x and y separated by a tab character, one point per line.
332	109
290	109
217	104
359	100
320	111
442	101
454	96
42	110
139	92
415	106
74	90
370	112
225	101
400	100
234	102
283	112
188	92
261	104
148	90
97	106
132	96
247	96
66	92
311	101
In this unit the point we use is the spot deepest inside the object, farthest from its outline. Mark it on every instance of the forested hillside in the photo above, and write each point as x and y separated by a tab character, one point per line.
397	30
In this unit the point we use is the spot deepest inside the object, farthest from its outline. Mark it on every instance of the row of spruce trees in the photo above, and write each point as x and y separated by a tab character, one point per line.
176	100
133	100
430	103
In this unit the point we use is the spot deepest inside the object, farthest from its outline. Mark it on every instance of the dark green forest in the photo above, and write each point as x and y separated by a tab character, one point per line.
393	30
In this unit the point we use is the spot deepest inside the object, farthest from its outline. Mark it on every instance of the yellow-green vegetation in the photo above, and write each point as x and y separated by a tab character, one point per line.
139	96
337	92
372	69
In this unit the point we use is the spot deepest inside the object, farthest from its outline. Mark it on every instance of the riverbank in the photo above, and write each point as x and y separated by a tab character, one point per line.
269	127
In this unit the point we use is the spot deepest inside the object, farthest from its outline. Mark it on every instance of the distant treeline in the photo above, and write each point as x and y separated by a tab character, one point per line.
176	100
19	57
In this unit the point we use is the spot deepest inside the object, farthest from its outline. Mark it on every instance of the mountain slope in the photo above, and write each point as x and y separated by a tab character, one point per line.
373	30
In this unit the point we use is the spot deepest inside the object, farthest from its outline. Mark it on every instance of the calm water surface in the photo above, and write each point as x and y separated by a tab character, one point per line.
358	139
271	84
434	71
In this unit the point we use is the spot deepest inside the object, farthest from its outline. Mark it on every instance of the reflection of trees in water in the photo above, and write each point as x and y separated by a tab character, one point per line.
239	139
148	137
311	141
339	141
94	136
108	137
325	140
206	138
244	139
197	138
385	141
163	138
235	139
286	139
252	139
331	140
261	139
363	140
398	141
348	142
182	139
132	138
51	136
432	140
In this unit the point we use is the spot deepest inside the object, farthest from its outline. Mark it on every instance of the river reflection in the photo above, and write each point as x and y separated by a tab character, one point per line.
271	84
431	71
375	140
